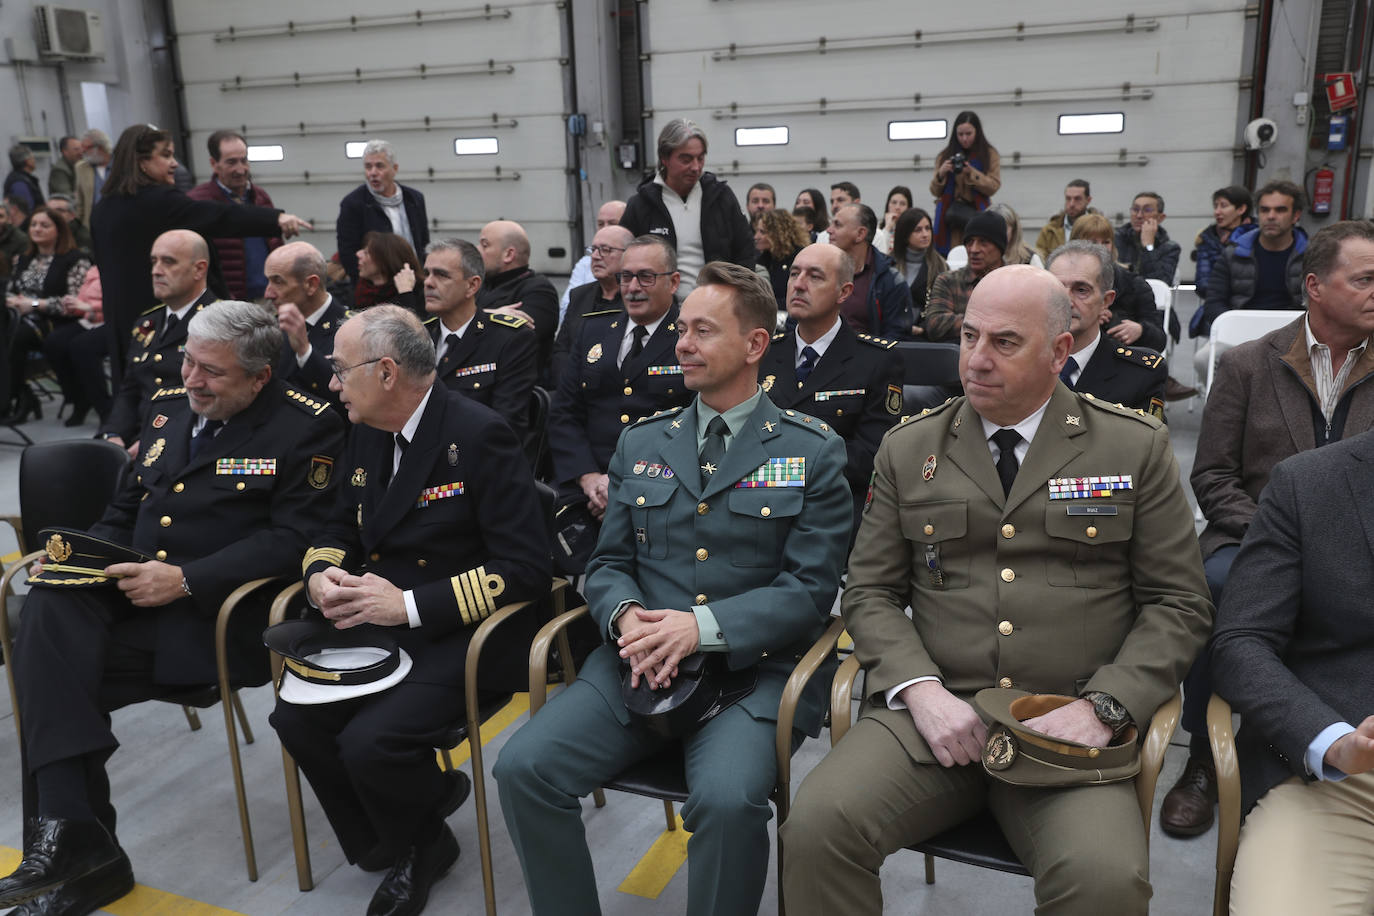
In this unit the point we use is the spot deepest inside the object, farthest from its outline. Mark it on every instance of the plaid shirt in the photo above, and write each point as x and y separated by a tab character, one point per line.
944	309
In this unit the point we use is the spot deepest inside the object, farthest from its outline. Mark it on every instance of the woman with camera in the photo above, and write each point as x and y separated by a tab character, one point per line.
968	172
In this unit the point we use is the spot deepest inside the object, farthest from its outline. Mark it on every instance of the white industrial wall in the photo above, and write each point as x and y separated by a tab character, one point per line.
836	74
303	76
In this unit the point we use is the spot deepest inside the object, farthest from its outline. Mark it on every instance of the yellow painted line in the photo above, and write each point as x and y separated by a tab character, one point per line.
846	641
9	558
141	901
653	872
517	707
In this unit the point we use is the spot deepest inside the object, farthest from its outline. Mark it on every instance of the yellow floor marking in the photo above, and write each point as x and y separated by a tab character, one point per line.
517	707
846	641
653	872
9	558
142	901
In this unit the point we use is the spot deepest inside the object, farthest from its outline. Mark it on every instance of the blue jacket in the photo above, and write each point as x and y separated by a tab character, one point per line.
889	301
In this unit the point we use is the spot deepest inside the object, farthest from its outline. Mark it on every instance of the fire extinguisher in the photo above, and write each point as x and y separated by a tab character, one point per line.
1323	186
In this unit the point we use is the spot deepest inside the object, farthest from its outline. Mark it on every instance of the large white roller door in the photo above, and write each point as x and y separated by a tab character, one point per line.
311	77
836	74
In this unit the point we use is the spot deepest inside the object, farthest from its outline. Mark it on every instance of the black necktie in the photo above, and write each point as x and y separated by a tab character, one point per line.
637	345
202	438
450	345
1006	441
713	448
170	325
401	443
809	357
1066	374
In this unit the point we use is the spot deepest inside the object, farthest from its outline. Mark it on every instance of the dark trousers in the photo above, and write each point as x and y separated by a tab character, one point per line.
371	763
78	656
1197	686
76	355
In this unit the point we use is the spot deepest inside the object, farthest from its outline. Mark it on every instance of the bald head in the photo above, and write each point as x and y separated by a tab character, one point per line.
179	261
504	246
296	276
197	248
610	213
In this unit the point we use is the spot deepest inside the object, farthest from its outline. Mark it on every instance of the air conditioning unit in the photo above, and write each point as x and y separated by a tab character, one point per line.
69	34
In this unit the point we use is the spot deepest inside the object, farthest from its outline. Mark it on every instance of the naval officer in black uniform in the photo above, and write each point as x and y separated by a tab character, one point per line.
1099	366
307	315
623	368
438	525
824	368
235	469
491	358
180	260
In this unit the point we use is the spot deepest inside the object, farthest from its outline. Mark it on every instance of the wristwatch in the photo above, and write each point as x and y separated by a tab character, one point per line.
1109	711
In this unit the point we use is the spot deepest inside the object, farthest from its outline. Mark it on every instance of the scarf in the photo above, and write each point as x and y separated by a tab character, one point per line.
395	210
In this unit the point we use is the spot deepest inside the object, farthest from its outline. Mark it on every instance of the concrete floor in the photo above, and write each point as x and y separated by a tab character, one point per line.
180	827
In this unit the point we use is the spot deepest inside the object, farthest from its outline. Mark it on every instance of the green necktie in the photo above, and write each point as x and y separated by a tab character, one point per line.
713	448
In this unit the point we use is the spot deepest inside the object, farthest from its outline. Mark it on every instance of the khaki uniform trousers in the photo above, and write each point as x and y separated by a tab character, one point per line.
867	799
1308	848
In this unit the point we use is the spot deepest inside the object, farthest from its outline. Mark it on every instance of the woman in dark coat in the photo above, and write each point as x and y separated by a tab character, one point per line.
138	203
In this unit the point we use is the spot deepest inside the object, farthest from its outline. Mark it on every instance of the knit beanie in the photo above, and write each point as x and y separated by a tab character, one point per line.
990	227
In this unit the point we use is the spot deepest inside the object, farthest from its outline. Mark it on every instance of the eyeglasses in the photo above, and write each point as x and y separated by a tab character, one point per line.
602	250
340	371
1143	211
646	278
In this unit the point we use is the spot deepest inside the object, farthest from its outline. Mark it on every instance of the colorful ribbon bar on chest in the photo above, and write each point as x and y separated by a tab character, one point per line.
256	467
430	494
474	370
777	472
842	393
664	370
1088	487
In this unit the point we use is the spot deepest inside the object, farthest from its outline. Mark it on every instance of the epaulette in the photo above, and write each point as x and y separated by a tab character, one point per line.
780	335
597	312
806	421
882	343
1140	356
1121	410
306	402
926	412
656	415
151	310
428	321
510	321
164	393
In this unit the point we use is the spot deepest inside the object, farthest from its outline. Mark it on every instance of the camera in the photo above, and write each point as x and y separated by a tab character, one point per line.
958	160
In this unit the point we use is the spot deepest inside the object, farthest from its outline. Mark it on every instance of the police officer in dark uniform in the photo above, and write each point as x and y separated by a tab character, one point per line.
824	368
235	469
623	368
1119	374
601	295
491	358
180	260
439	525
307	315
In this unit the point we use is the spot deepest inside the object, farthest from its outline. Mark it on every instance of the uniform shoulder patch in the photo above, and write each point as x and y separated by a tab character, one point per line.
882	343
1140	356
507	320
427	322
926	412
151	310
780	335
306	403
806	421
655	417
163	394
1120	411
595	313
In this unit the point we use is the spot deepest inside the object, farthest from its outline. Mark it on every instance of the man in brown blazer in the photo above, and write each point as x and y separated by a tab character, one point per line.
1015	578
1300	387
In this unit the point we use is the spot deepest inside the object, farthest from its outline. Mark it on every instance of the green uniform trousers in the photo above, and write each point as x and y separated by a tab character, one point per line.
1084	846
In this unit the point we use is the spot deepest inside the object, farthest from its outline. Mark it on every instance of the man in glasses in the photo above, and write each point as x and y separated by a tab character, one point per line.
622	368
488	357
1143	245
602	294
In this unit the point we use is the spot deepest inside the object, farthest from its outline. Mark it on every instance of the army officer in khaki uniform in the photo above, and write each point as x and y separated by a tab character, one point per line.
1016	578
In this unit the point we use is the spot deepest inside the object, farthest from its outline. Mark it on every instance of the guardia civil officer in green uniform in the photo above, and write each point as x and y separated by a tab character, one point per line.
1044	544
726	532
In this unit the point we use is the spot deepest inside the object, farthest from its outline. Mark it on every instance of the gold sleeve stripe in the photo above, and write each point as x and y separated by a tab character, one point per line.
476	592
331	555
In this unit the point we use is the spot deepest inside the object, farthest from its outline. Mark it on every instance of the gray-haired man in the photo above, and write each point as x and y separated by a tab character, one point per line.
235	469
379	204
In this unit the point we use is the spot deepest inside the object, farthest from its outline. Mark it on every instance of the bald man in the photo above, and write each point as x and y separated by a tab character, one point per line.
180	261
600	295
608	214
308	317
1096	595
511	286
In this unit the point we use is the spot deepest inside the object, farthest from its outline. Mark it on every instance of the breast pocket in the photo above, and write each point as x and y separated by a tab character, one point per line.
936	531
760	520
649	503
1088	549
246	484
839	410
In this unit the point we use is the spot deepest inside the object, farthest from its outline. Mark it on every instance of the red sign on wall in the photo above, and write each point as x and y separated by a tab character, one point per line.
1340	90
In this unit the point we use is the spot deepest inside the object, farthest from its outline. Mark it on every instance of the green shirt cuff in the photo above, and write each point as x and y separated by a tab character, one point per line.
710	637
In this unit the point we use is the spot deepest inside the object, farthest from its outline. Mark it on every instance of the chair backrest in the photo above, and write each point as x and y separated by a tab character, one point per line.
67	483
957	257
537	436
1163	294
1240	325
926	363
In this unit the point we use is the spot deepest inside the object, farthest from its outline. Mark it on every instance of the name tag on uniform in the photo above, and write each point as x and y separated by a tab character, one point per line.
430	494
842	393
777	472
255	467
664	370
1088	487
474	370
1091	510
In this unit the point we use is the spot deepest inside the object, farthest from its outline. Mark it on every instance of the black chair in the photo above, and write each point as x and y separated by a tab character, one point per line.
930	374
537	436
979	840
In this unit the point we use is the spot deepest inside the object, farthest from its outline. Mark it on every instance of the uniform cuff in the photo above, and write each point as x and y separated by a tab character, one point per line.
302	359
611	628
891	696
412	612
1315	758
710	637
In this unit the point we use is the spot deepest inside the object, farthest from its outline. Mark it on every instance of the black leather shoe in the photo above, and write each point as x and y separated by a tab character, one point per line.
58	851
84	895
405	889
459	787
1187	807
